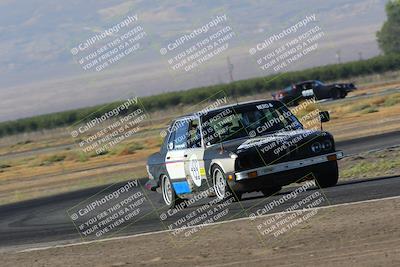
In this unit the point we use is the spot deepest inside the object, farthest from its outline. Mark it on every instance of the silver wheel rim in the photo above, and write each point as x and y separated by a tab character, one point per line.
219	184
167	191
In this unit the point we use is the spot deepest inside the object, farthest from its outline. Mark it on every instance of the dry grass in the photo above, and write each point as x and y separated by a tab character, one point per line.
371	164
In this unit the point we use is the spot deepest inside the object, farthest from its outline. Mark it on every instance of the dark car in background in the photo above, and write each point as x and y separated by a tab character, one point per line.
313	89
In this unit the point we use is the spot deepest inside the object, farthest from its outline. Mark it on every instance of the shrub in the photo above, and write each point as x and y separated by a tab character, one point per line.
131	149
369	110
52	159
4	166
391	101
361	107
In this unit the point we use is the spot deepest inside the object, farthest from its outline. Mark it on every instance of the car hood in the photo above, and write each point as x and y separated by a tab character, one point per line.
277	147
350	85
300	136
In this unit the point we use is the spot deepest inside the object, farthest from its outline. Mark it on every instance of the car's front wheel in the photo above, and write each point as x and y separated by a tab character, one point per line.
335	93
328	175
169	196
221	187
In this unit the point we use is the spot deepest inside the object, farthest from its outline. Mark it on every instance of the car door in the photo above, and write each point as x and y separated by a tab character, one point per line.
184	162
319	90
194	164
176	154
307	90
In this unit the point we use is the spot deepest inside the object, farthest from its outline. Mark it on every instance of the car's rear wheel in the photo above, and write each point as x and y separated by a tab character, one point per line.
169	196
328	175
221	187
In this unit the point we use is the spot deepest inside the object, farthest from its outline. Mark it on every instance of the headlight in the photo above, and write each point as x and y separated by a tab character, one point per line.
327	145
233	155
316	147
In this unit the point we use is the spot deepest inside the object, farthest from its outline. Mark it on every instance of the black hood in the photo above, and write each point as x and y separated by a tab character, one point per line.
342	85
278	147
300	136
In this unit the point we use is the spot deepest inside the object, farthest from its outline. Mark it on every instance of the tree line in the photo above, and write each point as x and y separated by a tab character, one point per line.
375	65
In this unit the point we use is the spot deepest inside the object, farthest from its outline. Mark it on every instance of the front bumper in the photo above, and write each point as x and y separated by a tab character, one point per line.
287	166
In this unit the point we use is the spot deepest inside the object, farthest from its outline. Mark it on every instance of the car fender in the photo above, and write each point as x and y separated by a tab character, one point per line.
226	164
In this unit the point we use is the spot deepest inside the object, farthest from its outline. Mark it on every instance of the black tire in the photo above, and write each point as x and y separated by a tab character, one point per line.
172	199
271	191
343	94
221	187
335	93
328	176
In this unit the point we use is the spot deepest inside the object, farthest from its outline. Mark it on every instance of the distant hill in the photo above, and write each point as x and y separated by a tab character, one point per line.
36	65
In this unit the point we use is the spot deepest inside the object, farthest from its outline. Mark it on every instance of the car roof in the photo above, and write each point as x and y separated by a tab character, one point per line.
309	81
240	104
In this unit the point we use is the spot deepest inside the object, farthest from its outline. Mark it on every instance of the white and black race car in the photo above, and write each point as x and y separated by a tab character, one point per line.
246	147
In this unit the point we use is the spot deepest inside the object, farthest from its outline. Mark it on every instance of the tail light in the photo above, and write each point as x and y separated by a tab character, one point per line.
280	95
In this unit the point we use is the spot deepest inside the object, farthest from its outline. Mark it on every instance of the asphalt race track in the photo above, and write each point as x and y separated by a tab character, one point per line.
369	143
42	221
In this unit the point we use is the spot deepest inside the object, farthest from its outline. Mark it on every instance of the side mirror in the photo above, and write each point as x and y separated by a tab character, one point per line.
324	116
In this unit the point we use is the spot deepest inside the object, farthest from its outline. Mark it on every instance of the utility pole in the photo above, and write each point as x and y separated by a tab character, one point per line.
230	69
360	57
338	56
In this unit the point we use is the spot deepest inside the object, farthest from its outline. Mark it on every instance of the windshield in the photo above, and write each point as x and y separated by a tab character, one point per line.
247	121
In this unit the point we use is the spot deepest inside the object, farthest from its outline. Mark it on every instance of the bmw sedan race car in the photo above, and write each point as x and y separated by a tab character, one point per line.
313	89
246	147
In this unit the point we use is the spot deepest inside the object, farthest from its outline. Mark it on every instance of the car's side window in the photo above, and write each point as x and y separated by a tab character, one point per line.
194	136
170	145
181	134
308	86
